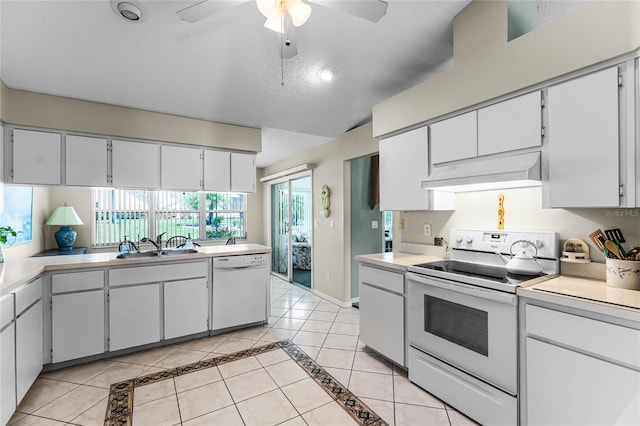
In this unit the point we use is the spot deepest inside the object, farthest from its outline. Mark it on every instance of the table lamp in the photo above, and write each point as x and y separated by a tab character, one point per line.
65	216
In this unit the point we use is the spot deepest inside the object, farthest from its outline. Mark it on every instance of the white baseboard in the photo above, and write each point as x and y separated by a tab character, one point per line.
332	299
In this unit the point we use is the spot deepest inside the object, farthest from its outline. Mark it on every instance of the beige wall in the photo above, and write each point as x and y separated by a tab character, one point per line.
24	108
330	246
486	66
523	211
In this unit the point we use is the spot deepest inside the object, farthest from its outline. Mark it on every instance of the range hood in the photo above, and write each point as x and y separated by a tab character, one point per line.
514	171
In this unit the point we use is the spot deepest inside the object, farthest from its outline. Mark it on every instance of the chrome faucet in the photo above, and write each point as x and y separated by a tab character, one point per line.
157	243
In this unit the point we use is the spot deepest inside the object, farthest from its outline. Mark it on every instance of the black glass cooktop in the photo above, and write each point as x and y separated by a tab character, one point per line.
475	270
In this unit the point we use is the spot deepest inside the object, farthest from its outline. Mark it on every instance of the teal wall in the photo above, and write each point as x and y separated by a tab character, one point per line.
364	240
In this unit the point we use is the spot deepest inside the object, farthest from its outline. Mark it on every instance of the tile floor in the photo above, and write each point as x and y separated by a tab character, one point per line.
264	389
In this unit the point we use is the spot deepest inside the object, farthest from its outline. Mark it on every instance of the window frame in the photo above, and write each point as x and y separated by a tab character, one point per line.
152	209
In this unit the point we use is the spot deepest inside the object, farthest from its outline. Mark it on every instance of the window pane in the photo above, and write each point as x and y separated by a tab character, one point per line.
176	213
119	213
225	215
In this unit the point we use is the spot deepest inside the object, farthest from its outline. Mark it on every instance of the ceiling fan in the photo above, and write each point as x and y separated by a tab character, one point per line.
284	15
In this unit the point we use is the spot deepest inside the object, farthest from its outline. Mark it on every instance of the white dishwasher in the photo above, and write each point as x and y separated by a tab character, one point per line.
240	290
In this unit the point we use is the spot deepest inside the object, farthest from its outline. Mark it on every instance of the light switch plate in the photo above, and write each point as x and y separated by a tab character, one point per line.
374	224
316	224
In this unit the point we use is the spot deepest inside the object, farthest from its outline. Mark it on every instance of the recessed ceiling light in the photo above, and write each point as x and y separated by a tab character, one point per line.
130	11
326	73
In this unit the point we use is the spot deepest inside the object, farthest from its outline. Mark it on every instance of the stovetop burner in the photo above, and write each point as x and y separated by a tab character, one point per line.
474	273
478	258
492	273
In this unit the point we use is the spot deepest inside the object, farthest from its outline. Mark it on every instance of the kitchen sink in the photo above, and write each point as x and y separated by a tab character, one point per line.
178	252
152	253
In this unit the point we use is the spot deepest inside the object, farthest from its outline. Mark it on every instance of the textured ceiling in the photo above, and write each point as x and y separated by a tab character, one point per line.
226	67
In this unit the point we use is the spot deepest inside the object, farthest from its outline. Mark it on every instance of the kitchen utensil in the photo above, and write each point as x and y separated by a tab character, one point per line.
633	253
575	250
614	235
598	238
623	254
522	263
613	249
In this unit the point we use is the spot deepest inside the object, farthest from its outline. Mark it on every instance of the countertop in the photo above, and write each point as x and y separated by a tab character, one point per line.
14	272
588	294
396	260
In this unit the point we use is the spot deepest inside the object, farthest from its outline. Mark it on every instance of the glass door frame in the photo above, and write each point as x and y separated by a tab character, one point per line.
288	179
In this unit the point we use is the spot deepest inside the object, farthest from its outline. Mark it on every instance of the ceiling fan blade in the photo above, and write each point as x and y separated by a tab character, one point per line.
371	10
206	8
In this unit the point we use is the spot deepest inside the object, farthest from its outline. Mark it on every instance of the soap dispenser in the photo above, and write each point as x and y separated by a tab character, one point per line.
189	243
124	246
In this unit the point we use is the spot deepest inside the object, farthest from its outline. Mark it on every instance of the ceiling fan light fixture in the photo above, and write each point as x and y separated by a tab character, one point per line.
270	8
326	73
299	11
274	24
275	11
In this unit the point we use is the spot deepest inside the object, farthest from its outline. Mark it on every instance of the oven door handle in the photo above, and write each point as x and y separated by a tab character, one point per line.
481	292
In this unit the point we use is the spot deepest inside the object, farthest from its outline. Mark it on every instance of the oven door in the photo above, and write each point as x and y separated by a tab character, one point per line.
469	327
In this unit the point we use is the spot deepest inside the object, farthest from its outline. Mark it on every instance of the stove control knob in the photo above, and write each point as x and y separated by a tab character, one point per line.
468	239
458	238
539	243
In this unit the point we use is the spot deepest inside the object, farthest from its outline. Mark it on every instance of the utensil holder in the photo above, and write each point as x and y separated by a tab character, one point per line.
623	273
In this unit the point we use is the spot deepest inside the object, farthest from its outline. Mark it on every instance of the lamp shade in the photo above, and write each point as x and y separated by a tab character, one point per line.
64	215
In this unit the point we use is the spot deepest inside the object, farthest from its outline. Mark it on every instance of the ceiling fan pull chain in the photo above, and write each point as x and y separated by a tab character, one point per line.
282	37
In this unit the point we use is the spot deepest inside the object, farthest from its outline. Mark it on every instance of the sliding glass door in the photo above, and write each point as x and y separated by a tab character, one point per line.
280	229
292	229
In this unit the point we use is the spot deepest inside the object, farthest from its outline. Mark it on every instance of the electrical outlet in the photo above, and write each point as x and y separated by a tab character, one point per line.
438	241
328	278
427	229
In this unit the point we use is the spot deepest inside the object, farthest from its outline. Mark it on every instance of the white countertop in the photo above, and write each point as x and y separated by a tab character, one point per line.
589	294
396	260
14	272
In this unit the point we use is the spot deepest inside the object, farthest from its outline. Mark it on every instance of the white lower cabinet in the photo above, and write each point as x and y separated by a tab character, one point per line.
7	373
7	359
134	316
382	312
578	370
186	307
29	348
565	387
77	325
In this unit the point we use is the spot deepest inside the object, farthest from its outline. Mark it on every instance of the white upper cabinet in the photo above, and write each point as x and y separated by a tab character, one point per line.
404	164
181	168
510	125
583	140
86	161
217	171
135	164
243	172
36	157
455	138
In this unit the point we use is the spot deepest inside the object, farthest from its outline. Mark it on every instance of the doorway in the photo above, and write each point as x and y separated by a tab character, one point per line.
292	229
367	224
